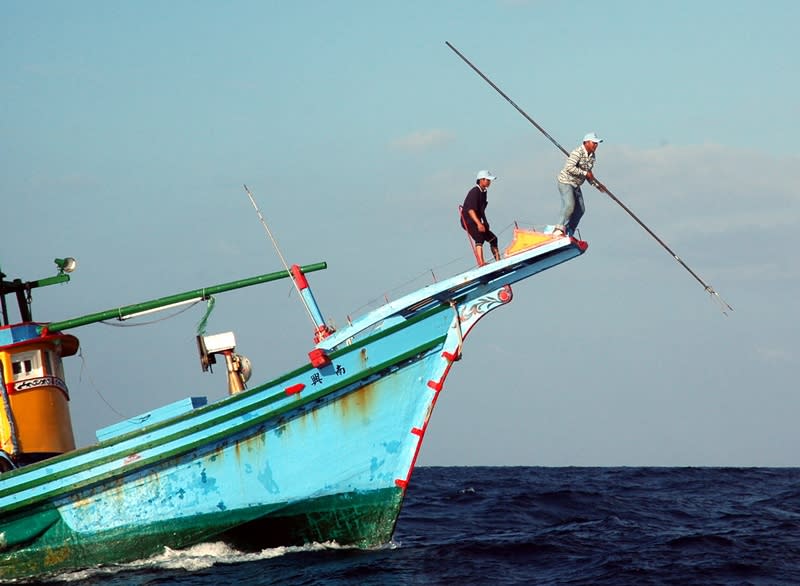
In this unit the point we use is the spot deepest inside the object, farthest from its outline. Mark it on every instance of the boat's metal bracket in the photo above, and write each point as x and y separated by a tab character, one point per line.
457	325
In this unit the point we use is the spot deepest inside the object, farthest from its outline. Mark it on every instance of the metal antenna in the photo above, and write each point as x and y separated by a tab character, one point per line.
278	250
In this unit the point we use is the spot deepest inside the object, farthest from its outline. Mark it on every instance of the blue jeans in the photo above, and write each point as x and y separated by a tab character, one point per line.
572	207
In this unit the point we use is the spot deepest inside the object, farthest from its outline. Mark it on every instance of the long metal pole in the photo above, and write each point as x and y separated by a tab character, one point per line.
127	310
709	289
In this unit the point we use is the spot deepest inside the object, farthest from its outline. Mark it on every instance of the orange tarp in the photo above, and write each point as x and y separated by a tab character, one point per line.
526	239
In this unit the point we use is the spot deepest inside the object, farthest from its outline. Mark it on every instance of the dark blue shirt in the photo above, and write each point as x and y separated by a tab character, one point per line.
476	200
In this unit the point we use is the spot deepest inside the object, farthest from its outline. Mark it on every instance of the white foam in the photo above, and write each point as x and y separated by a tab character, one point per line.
197	557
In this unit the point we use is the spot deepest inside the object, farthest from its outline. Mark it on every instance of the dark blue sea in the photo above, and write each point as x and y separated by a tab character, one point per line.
529	525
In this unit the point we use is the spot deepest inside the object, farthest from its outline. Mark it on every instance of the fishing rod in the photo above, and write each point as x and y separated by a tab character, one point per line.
708	288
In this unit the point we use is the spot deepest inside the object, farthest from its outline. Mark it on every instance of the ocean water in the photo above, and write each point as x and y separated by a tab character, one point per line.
530	525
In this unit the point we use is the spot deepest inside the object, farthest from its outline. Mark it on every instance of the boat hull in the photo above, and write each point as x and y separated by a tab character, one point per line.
359	518
320	454
260	469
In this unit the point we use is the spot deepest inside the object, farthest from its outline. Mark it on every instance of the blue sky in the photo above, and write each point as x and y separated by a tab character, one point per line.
128	130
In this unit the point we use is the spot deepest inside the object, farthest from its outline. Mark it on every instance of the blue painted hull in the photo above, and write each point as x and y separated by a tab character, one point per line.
320	454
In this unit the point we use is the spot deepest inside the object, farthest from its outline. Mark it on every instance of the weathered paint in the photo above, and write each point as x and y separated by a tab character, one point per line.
340	453
266	467
151	417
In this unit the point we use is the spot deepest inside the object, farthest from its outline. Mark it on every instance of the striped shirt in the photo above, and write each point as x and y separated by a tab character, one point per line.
579	162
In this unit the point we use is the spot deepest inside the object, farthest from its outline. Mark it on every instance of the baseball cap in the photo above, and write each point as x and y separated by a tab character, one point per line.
486	175
592	137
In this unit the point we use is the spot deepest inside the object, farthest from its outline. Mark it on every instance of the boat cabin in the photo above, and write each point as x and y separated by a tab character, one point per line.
35	422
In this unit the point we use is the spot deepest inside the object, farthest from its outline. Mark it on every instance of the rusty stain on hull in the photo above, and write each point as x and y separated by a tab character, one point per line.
358	403
355	405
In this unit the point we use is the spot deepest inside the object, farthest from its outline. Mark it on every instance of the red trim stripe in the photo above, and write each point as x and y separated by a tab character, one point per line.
420	432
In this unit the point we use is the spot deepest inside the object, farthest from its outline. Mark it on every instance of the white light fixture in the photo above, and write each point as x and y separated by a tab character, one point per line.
66	265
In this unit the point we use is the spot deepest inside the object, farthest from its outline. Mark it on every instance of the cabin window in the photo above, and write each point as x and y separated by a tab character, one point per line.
26	365
54	365
48	363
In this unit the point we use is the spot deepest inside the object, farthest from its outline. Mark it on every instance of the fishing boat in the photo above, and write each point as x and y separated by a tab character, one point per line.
323	453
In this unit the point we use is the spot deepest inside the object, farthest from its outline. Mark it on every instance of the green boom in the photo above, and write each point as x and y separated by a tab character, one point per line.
201	293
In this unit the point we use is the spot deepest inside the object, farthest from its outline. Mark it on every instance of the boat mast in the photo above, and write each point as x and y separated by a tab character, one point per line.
321	329
22	289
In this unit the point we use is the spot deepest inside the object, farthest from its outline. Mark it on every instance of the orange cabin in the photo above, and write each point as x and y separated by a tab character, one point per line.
35	421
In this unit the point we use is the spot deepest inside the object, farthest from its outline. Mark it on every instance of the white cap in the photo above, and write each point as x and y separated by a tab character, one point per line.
592	137
486	175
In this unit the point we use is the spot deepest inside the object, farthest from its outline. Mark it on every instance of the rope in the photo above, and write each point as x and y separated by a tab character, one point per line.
93	385
201	327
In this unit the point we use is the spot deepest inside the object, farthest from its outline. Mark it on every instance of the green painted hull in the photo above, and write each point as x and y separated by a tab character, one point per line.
364	520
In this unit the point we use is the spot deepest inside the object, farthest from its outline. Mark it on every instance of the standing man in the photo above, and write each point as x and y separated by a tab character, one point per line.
577	169
473	217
